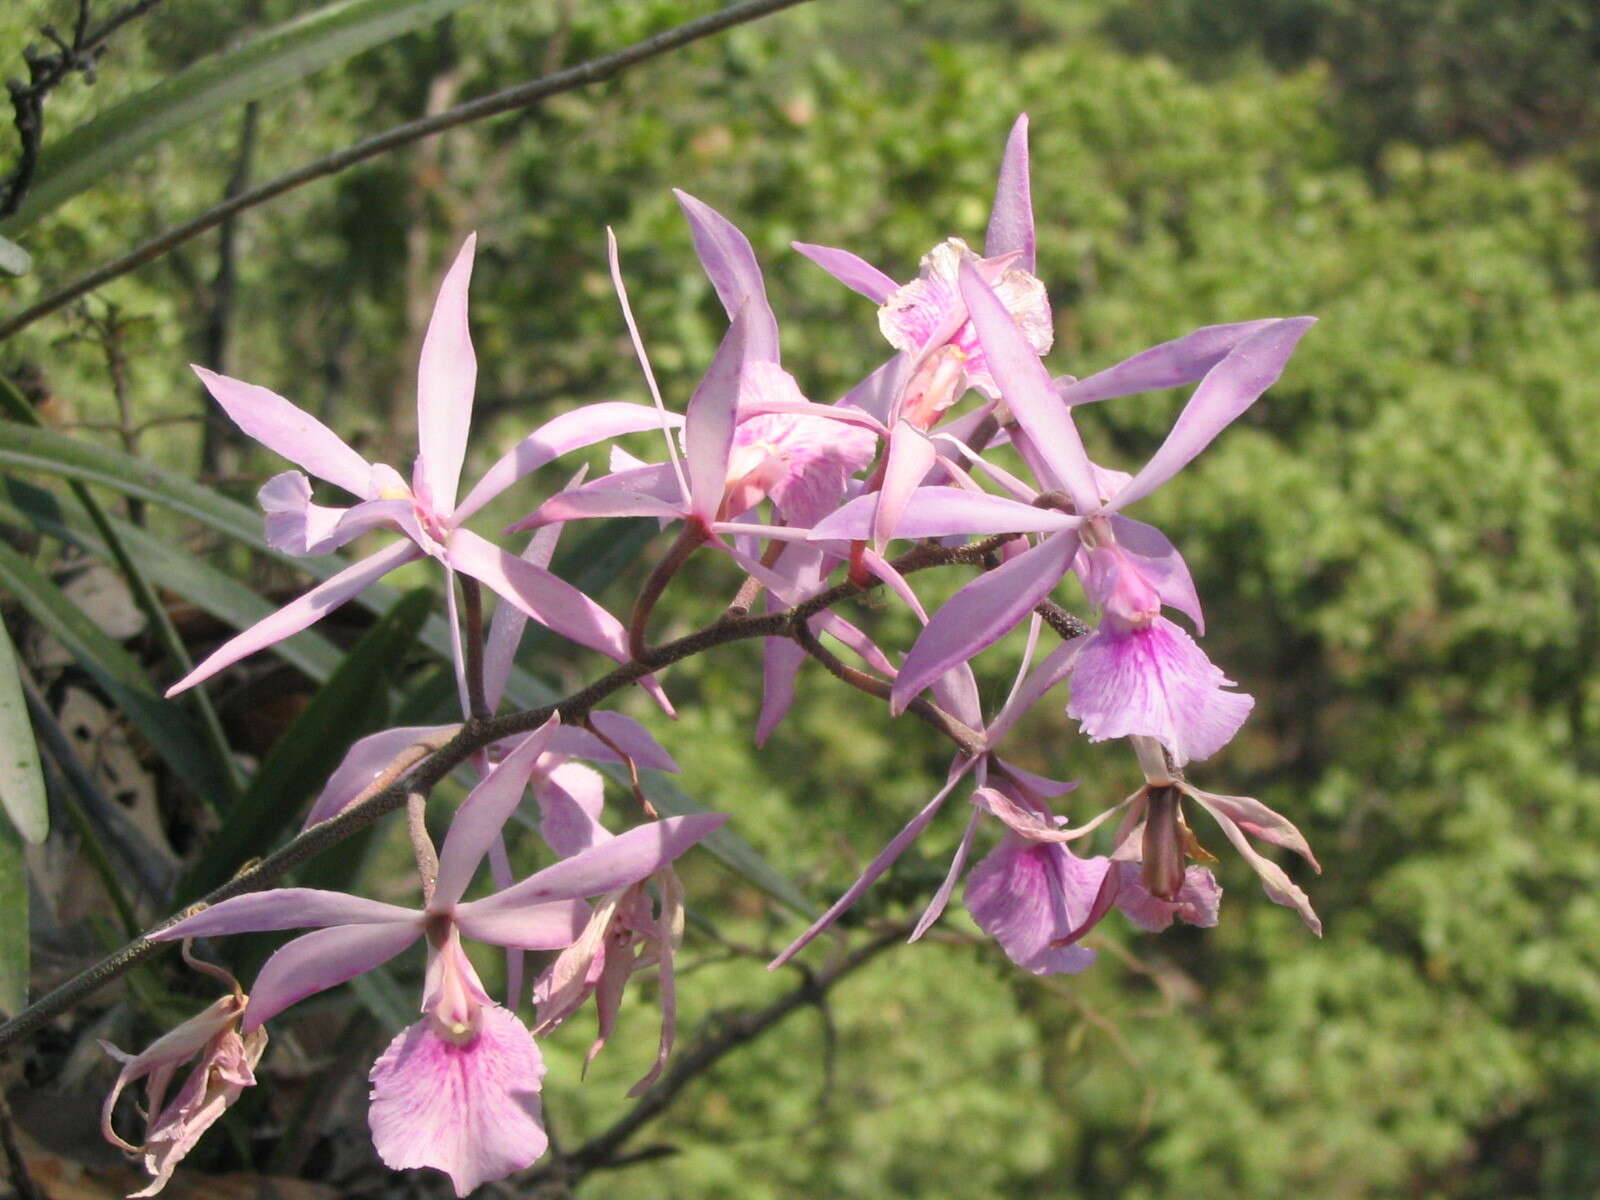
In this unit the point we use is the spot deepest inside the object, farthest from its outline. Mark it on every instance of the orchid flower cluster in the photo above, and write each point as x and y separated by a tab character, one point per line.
804	499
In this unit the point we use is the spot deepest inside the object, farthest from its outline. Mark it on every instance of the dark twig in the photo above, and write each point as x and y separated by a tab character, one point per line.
510	99
46	70
389	791
730	1033
224	287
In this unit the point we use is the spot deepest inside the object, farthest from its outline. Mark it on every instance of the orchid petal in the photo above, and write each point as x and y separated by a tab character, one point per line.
584	505
561	435
854	272
885	859
1180	361
546	598
363	763
1274	880
622	732
483	814
731	266
885	570
1229	388
1056	666
983	612
625	859
907	462
548	926
1157	683
508	623
1256	819
1026	387
500	873
644	364
941	898
446	376
855	640
293	523
301	612
944	511
317	961
1040	785
780	665
876	394
571	798
1161	566
284	908
470	1110
1195	904
1011	218
708	427
287	430
1030	896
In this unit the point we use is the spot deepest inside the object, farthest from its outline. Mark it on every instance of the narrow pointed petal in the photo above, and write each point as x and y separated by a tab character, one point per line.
644	364
884	570
944	511
854	272
546	598
1161	566
508	623
1259	821
907	461
983	612
301	612
856	641
483	814
1180	361
284	429
549	926
885	859
470	1110
625	859
626	734
364	762
1229	388
317	961
1274	880
1026	388
1011	218
731	266
561	435
1157	683
1039	785
446	377
571	798
284	908
755	403
877	393
1031	898
958	863
780	665
600	503
708	427
500	872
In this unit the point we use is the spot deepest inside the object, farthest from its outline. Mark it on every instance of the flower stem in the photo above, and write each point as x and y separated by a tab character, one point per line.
688	542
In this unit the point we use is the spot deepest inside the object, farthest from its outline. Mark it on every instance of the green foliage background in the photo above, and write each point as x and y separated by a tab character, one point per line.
1397	548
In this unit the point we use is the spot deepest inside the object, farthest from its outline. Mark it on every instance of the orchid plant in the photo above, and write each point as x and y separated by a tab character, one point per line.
962	443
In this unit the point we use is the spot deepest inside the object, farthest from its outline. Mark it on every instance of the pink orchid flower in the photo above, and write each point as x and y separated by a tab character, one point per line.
226	1066
425	512
459	1090
1138	673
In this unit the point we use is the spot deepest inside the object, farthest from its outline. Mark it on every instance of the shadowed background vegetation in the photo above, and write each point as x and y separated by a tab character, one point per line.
1396	547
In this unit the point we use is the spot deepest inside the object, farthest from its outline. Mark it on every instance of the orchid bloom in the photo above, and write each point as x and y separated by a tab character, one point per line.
458	1090
425	512
748	432
1138	673
226	1066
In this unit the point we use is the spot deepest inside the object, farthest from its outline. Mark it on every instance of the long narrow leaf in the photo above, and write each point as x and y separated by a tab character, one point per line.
21	782
13	923
117	672
276	59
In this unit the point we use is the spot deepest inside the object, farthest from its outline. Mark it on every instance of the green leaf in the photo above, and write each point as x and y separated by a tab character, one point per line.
21	780
278	58
116	671
353	703
14	260
13	923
